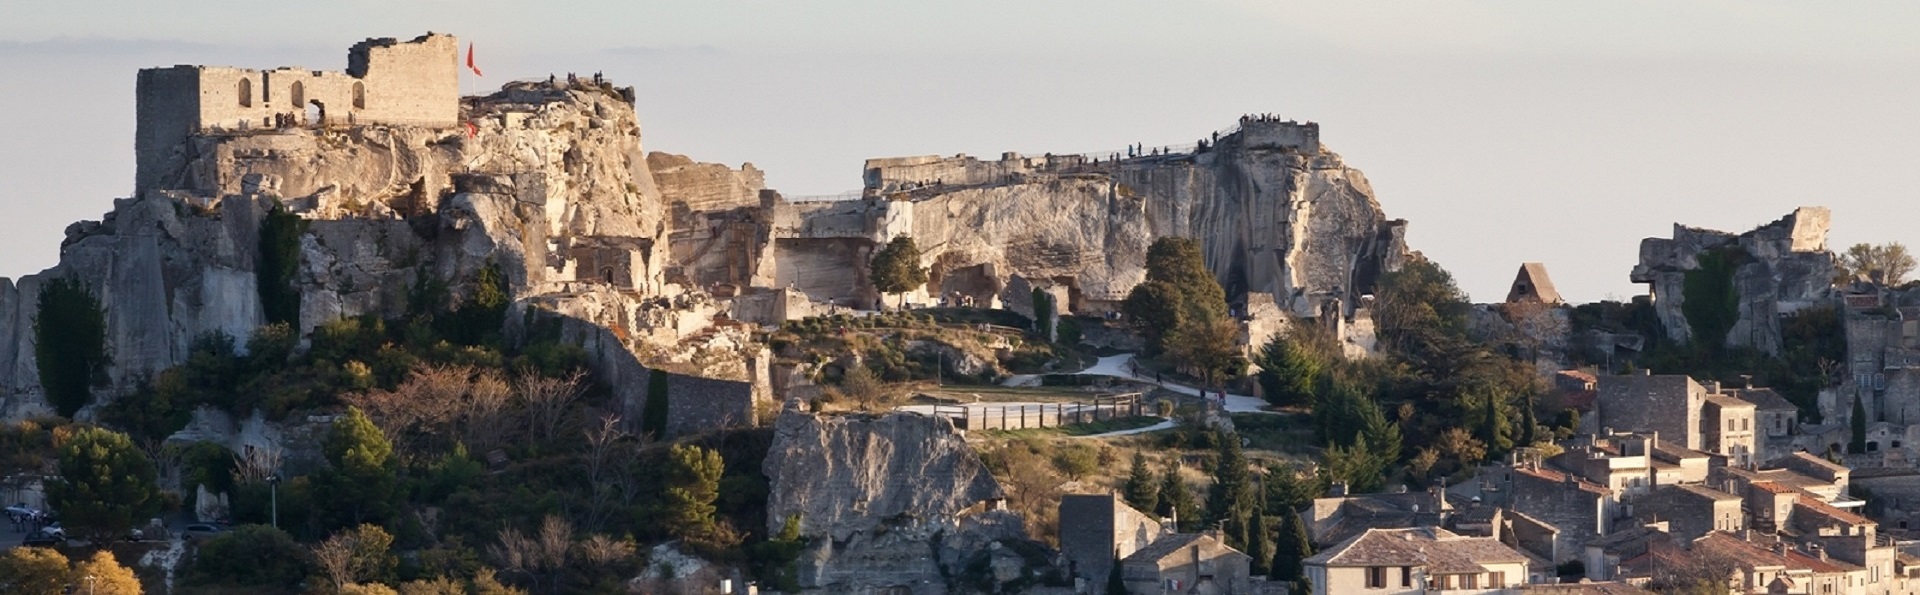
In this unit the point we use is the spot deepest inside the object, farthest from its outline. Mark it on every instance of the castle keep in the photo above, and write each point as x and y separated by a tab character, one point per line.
410	83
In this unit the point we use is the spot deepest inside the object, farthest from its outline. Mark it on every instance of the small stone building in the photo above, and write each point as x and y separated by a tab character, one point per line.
1187	563
1096	527
1532	286
1412	561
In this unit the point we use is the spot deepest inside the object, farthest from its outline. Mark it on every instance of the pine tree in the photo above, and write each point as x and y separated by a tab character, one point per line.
1228	497
1176	500
1292	547
359	484
1141	492
1859	426
693	484
1288	373
106	485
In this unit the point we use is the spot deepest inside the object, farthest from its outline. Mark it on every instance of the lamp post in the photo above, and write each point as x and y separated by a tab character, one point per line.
273	487
90	584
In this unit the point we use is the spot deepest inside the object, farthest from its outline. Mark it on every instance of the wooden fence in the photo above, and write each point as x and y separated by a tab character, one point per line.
1041	415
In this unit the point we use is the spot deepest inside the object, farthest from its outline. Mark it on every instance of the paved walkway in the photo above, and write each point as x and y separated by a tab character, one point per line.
1116	366
1165	424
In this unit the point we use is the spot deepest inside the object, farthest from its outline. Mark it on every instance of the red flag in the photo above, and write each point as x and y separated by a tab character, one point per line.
472	131
475	69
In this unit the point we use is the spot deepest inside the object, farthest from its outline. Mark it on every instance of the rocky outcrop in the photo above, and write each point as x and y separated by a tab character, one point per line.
887	502
1782	267
549	183
1287	218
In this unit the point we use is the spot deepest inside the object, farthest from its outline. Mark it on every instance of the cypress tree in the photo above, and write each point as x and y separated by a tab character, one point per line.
653	415
1115	584
1228	496
70	344
1292	547
1257	542
1141	492
1859	426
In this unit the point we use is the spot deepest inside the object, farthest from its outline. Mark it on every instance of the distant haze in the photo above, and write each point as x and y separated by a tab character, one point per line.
1513	131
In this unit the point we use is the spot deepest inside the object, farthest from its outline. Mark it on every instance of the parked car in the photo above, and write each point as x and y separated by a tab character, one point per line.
198	530
55	530
41	539
21	510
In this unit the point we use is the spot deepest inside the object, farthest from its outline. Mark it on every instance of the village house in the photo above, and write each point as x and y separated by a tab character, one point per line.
1418	561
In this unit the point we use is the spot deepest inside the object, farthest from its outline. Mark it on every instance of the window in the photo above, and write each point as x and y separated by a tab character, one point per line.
245	89
359	96
1469	581
1406	576
1745	424
1497	579
1376	577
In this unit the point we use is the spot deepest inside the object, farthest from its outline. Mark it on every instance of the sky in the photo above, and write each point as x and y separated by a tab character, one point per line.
1508	131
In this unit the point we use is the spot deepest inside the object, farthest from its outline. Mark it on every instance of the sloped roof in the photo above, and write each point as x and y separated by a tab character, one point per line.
1607	588
1441	551
1765	399
1532	282
1168	545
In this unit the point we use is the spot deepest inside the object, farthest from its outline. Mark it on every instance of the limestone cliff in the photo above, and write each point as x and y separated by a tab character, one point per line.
1276	213
550	183
887	501
1780	268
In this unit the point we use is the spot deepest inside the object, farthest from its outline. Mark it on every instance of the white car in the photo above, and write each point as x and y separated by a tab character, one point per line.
21	510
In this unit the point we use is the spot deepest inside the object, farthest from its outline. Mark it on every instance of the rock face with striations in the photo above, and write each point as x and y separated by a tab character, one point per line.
887	501
1779	268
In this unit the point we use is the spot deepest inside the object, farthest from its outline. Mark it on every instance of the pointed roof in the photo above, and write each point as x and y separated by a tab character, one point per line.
1533	286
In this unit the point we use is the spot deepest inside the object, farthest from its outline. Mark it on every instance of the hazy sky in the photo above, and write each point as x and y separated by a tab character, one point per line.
1505	131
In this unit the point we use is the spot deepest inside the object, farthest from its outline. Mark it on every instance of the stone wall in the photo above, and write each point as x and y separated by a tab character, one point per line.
696	405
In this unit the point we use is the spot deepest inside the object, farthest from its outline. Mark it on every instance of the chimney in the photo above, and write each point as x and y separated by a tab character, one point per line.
1338	489
1712	386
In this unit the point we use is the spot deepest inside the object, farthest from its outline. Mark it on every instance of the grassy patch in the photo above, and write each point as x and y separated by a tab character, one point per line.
1290	433
1086	429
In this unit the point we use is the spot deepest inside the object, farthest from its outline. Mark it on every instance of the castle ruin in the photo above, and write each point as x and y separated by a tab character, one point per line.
387	81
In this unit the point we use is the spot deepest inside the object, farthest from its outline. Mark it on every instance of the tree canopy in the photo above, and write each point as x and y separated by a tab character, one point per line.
896	268
106	485
70	344
1886	264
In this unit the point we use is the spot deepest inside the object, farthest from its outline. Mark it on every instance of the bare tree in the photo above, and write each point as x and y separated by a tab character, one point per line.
335	559
540	556
604	444
547	400
259	462
485	420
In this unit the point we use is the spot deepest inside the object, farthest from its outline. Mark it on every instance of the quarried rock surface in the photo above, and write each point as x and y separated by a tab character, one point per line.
887	501
1779	268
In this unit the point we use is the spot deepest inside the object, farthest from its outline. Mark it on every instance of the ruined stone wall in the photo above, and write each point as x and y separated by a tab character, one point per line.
413	83
416	82
1280	134
696	405
1667	404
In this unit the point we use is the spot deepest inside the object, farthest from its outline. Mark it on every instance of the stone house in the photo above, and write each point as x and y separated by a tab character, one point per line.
1415	561
1775	419
1690	511
1576	509
1726	425
1669	405
1094	528
1187	563
1632	464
